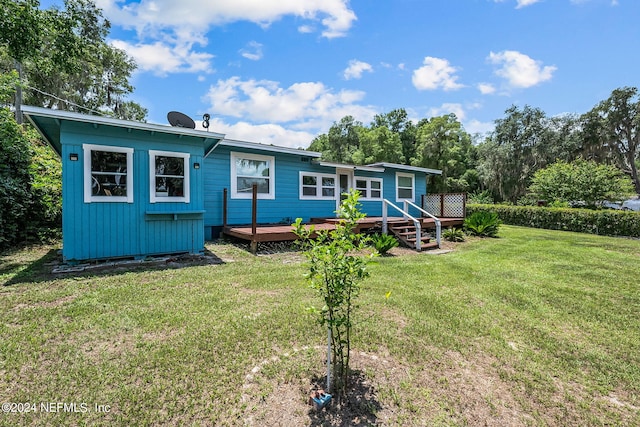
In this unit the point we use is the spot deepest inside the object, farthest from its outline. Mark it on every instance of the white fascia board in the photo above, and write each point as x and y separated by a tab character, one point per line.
408	168
270	148
367	168
110	121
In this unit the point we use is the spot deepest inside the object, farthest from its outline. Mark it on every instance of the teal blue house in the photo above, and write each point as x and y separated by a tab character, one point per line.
133	189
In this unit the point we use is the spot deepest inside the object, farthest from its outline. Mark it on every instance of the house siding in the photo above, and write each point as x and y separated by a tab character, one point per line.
287	204
99	230
284	208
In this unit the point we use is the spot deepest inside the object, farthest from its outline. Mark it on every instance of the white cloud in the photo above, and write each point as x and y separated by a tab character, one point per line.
253	51
147	15
477	127
449	108
525	3
522	3
306	29
486	88
262	133
434	74
356	68
162	59
520	70
303	106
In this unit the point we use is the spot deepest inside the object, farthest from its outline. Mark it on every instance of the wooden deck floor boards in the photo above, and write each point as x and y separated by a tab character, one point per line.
280	233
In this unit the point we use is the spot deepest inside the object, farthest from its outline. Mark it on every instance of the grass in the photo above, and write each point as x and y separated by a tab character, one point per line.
535	327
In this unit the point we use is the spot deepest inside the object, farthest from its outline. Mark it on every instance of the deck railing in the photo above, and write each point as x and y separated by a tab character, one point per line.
416	222
407	203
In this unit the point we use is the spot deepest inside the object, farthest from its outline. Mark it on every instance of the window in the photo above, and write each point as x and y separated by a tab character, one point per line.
108	174
169	176
404	186
317	186
249	169
369	188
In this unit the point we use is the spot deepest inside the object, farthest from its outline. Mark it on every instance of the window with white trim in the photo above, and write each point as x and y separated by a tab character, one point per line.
249	169
405	186
369	188
317	186
169	176
108	173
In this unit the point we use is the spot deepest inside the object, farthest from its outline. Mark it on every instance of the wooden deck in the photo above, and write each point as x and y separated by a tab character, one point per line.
280	233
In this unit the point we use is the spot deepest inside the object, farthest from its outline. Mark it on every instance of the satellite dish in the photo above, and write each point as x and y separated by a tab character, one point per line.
180	120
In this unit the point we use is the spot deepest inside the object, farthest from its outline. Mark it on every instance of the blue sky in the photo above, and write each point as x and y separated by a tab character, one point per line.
282	71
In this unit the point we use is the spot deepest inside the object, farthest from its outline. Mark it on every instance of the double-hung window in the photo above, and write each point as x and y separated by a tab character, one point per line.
317	186
249	169
108	173
369	188
169	176
405	186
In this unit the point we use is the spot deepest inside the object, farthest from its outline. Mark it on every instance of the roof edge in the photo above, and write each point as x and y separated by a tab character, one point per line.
265	147
110	121
407	167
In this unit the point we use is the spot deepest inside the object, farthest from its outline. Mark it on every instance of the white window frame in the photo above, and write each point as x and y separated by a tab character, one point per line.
318	186
186	197
234	178
368	188
413	186
90	198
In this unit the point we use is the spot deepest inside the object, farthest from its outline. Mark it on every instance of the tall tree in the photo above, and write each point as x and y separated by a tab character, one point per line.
378	144
442	143
612	131
397	122
341	142
64	57
524	141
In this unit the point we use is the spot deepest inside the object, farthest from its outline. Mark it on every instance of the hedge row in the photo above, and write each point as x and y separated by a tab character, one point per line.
606	222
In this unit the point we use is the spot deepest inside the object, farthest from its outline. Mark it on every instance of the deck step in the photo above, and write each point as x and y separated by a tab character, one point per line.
406	233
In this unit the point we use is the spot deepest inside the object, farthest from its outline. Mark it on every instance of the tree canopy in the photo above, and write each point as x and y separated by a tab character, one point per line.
580	181
436	143
64	58
612	131
503	165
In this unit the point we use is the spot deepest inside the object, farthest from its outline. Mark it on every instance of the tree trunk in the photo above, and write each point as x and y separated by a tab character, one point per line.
634	177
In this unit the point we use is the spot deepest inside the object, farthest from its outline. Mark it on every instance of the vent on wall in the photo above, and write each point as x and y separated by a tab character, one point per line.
304	159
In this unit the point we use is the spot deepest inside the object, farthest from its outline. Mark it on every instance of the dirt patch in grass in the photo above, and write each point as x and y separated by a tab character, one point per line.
450	389
447	389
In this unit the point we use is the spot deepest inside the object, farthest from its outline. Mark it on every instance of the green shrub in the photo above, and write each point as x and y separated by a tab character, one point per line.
15	182
482	223
453	234
606	222
480	197
383	242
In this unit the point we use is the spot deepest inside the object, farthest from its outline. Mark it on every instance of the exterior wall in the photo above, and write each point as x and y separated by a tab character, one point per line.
420	188
287	204
99	230
284	208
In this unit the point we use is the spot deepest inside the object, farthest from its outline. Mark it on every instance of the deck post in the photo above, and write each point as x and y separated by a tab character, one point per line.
442	205
224	207
254	218
464	205
384	217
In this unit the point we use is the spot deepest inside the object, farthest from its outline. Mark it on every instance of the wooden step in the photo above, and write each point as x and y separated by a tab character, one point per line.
425	239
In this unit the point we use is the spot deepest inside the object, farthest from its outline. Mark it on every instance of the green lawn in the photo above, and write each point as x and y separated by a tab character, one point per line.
535	327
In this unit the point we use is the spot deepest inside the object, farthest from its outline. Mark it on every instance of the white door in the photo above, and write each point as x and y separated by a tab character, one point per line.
345	183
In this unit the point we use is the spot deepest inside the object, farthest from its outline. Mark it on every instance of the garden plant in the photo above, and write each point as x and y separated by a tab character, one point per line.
336	269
